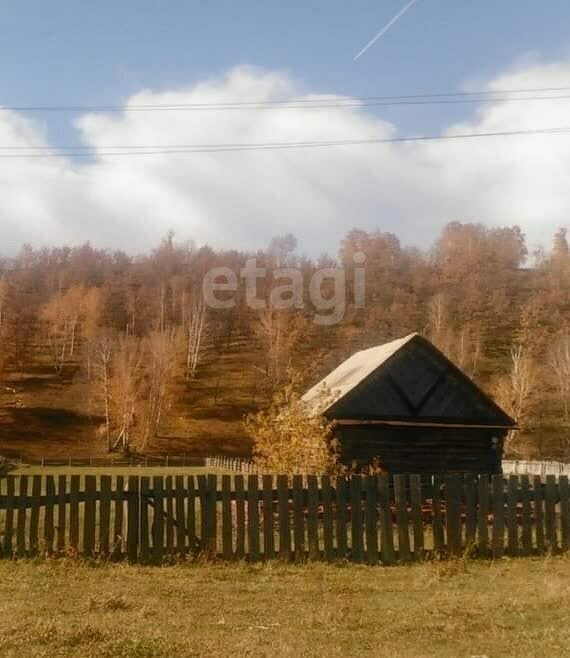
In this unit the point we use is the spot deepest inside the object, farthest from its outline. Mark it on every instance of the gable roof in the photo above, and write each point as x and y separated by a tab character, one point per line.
406	379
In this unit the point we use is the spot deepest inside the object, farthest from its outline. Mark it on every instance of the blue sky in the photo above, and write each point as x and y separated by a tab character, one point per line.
97	53
65	52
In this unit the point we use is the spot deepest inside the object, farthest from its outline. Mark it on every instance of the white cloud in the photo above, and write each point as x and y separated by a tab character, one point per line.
241	199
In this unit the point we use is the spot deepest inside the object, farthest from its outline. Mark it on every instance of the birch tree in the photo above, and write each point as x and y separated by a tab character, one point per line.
559	363
195	330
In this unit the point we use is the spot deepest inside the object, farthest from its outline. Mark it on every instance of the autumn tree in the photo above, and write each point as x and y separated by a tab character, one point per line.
288	438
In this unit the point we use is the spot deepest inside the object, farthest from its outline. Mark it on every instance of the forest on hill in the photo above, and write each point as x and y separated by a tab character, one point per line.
101	350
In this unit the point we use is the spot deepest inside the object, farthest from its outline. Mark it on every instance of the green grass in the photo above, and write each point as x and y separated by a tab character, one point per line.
458	608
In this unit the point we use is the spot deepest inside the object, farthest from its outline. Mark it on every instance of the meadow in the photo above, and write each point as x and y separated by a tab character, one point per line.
454	608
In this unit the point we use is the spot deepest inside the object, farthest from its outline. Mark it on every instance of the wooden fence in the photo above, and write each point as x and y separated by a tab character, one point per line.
364	519
234	464
534	467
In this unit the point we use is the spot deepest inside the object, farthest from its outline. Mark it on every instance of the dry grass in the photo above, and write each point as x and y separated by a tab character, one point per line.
462	608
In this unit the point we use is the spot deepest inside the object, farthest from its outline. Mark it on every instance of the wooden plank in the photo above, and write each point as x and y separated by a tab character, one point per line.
212	515
452	513
512	524
401	500
74	514
284	526
169	499
357	544
312	517
49	530
268	537
550	513
371	517
180	512
21	520
328	542
341	514
117	547
104	514
191	518
253	517
144	529
298	518
417	518
133	517
470	486
437	519
203	498
539	512
240	517
89	518
564	512
61	512
158	519
35	514
498	506
227	547
526	538
483	514
7	546
386	526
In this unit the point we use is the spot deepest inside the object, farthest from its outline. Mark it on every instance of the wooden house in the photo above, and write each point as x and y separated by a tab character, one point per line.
407	407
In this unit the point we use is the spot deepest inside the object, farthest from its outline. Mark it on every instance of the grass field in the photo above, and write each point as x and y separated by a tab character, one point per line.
460	608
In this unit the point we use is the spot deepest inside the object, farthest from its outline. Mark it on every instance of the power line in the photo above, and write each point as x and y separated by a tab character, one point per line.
498	96
174	149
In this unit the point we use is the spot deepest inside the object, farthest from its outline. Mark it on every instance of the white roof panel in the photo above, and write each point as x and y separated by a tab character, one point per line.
349	374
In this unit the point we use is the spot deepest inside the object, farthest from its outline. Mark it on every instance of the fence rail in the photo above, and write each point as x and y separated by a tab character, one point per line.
363	518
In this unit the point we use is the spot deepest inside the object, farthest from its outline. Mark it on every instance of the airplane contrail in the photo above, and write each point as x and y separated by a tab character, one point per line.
385	29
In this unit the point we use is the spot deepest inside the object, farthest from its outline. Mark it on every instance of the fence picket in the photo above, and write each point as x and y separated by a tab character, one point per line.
340	508
526	532
416	513
144	520
538	512
357	548
49	532
253	517
386	527
180	512
21	520
550	513
158	519
268	536
371	518
470	484
452	513
227	548
191	515
117	550
437	518
8	548
35	513
240	517
284	528
133	512
74	513
212	515
312	516
483	514
89	515
61	512
564	512
401	501
512	525
169	499
298	518
498	485
105	515
328	546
